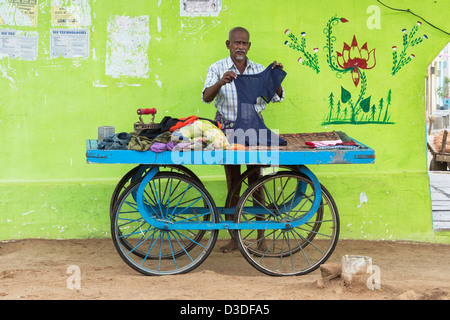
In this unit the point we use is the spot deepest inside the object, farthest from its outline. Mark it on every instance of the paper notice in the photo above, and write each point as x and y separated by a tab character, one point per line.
127	46
193	8
70	13
69	43
19	44
19	13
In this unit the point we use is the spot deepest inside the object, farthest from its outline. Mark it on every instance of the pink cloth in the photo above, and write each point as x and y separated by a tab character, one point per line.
326	143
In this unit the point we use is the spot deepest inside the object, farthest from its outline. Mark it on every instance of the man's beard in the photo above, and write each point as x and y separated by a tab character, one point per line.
240	57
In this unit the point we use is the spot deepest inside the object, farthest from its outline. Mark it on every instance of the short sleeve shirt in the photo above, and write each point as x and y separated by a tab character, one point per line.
226	100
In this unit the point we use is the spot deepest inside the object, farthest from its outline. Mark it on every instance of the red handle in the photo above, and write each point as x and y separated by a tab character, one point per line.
146	111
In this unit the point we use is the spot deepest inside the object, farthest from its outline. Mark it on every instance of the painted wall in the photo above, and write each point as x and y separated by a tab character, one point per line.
153	54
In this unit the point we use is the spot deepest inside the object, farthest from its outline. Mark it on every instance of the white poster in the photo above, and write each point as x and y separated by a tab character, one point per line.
127	46
19	44
69	43
193	8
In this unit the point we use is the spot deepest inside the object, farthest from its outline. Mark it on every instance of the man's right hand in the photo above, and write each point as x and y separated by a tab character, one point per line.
210	93
227	77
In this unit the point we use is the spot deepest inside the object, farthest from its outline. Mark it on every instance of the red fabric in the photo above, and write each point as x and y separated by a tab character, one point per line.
188	120
183	122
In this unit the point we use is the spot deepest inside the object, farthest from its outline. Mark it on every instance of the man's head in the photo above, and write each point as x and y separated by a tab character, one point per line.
238	43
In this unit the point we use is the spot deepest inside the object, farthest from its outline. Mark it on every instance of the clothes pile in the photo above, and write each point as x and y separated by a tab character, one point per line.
172	134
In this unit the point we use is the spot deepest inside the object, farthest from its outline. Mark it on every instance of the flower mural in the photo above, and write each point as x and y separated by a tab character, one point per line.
352	107
354	104
355	58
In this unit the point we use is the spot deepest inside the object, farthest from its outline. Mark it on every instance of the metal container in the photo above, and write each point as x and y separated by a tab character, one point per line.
105	131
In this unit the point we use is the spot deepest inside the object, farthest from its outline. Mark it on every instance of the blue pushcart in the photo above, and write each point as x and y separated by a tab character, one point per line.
165	222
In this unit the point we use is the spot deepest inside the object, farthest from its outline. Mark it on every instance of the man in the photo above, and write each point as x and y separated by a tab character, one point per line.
219	87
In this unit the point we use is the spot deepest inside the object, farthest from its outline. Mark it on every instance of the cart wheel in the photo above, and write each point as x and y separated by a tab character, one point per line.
438	165
140	171
287	197
133	175
238	188
169	197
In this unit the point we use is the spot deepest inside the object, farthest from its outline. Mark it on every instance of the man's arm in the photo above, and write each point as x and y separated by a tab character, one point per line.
211	92
280	91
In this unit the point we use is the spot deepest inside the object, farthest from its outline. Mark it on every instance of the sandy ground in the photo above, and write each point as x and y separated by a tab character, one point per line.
38	269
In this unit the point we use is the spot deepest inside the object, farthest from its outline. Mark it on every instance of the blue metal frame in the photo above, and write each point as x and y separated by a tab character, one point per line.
299	158
221	157
229	225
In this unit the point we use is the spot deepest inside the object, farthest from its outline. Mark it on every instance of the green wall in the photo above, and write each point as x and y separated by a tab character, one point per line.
49	107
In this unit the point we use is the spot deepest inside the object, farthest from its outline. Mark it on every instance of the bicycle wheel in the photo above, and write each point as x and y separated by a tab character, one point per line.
172	198
287	197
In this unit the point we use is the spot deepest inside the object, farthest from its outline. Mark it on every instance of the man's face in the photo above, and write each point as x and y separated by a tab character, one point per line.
238	44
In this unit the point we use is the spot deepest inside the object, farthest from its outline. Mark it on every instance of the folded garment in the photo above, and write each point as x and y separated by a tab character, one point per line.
187	146
326	143
140	143
182	122
333	144
117	141
160	146
164	137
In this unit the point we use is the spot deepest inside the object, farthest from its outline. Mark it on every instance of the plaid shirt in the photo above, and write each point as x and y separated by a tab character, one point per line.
226	100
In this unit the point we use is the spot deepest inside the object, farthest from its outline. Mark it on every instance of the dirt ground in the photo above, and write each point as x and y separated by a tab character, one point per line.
38	269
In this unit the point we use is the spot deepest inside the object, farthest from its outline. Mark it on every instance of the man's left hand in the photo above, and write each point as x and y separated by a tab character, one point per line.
277	65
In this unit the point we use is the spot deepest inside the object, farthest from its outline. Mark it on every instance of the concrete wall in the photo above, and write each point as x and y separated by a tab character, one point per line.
148	54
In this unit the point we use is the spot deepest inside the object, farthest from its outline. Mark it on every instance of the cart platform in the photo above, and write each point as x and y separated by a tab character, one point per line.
294	153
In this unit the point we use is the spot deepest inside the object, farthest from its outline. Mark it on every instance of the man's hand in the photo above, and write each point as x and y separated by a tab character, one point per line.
277	65
227	77
210	93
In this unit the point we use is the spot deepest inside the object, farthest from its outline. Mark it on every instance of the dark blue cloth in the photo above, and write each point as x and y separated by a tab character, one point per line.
249	127
115	142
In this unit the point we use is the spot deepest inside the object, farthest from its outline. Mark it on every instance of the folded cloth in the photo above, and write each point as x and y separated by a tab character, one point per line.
333	144
164	137
160	146
117	141
325	143
139	143
183	122
182	146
